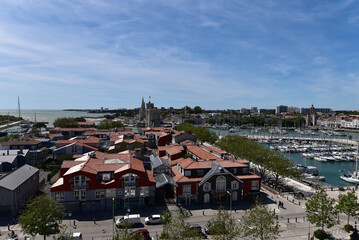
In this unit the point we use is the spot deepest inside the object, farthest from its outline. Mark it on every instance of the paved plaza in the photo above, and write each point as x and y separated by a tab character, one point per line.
291	218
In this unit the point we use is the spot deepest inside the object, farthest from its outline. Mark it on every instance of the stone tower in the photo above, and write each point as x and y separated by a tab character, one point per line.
153	115
142	114
311	117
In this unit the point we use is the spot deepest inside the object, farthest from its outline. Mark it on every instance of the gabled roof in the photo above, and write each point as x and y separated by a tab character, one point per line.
201	153
17	177
174	150
163	179
216	170
157	161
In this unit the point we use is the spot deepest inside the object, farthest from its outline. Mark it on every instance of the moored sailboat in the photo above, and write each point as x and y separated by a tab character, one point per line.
352	177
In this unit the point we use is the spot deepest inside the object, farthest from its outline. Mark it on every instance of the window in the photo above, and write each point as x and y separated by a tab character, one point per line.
106	177
80	194
235	170
235	185
187	173
79	181
187	189
255	185
100	194
207	187
129	179
143	191
221	184
200	172
59	196
130	191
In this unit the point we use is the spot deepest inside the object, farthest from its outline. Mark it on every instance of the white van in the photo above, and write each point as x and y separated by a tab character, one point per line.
131	219
72	236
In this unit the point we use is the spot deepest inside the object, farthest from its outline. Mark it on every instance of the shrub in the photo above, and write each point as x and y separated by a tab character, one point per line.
320	234
348	228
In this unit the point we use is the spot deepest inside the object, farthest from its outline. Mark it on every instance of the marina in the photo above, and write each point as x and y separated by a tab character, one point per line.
297	145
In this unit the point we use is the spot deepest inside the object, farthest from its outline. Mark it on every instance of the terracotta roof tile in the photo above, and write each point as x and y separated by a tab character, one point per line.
178	177
201	153
174	150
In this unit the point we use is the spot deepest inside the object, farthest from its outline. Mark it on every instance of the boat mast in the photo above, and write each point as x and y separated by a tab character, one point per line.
356	161
18	107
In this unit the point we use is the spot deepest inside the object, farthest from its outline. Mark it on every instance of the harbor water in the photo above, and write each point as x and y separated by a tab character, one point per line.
330	170
46	115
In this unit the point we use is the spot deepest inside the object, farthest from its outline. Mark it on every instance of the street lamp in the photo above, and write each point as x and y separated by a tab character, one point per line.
230	203
113	218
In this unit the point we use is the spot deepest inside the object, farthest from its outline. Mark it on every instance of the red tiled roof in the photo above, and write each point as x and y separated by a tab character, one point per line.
150	176
200	153
215	149
174	150
178	177
20	143
250	175
69	164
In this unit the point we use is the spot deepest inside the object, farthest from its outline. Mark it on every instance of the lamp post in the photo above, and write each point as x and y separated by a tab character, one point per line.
309	230
113	218
230	203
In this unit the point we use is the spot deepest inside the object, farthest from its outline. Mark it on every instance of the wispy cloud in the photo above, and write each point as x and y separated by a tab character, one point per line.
214	54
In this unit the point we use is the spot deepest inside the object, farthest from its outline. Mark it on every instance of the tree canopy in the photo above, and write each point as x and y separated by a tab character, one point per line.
68	122
41	216
259	223
177	228
108	124
348	204
223	226
202	134
321	210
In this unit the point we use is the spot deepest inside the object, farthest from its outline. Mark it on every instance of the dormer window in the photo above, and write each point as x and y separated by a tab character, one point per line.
80	181
129	179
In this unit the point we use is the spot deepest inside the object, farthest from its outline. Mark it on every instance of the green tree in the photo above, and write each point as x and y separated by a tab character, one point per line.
41	216
259	223
197	110
223	226
125	232
348	204
202	134
68	122
264	158
108	124
177	228
321	210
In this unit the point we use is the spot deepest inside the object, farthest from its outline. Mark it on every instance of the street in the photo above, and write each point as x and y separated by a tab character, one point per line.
291	218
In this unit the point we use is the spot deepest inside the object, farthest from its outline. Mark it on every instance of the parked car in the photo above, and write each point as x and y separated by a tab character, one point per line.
197	228
153	219
131	219
141	234
72	236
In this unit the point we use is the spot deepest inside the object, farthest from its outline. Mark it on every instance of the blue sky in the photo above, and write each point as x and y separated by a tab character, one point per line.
215	54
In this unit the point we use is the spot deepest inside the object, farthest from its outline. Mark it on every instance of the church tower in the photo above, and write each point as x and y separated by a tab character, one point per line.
142	114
